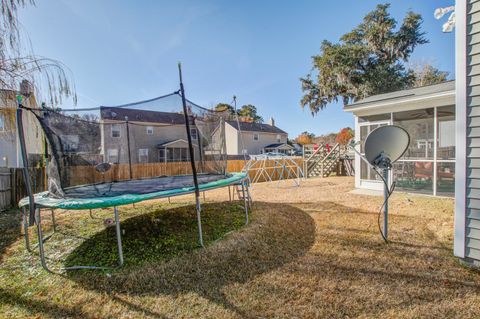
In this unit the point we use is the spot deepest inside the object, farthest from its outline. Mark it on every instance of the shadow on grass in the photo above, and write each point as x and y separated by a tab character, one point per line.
10	228
159	235
277	234
44	307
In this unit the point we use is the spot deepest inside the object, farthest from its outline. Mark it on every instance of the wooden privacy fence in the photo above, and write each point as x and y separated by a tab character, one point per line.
79	175
5	189
12	185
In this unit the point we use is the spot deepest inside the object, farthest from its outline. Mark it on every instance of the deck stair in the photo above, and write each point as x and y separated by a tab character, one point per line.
320	162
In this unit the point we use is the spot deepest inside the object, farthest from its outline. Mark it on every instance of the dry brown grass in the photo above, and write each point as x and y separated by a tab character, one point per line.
309	252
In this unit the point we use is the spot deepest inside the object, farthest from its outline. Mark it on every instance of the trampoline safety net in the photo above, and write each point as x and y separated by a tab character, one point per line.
135	148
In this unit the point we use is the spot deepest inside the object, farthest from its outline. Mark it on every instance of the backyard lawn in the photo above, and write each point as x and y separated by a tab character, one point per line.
309	251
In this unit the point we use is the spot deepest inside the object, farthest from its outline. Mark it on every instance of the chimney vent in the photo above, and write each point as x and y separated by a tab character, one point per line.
271	122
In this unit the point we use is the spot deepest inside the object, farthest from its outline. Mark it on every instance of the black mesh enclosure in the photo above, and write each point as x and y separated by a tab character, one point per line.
134	148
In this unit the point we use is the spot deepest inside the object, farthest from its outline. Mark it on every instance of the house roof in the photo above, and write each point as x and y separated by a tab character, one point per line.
404	95
180	140
256	127
278	145
119	114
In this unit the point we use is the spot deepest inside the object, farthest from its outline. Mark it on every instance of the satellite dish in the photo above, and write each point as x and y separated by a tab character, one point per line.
385	145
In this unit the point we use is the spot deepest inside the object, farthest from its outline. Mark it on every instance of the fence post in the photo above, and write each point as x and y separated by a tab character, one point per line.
13	187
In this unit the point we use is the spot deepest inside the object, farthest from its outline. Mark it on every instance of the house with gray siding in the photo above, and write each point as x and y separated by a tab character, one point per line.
248	138
467	183
148	136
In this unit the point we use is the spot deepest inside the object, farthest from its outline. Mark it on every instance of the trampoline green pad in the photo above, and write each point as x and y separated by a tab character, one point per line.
126	192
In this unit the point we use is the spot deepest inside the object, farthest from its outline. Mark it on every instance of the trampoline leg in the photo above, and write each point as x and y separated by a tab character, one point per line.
38	220
199	221
25	229
53	221
250	200
245	203
119	237
118	232
229	194
91	214
47	237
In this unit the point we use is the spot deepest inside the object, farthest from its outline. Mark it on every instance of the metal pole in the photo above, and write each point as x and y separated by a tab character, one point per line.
26	176
128	149
38	220
192	155
385	208
119	237
245	202
25	228
54	221
199	220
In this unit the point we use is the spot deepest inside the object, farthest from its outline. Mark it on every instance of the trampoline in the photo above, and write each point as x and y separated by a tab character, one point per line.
131	192
118	155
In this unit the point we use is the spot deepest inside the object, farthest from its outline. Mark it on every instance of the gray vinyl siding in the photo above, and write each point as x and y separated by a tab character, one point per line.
139	139
472	240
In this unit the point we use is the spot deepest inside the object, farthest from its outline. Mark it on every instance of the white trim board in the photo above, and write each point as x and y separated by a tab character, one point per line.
460	127
423	102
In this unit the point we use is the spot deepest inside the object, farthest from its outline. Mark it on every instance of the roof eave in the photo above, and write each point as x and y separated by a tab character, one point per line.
397	101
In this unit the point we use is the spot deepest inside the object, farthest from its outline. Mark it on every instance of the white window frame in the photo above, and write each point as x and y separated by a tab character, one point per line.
194	135
149	130
113	128
142	152
112	152
279	138
256	136
162	159
2	122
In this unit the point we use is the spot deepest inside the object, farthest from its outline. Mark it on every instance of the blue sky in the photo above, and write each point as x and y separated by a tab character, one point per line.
125	51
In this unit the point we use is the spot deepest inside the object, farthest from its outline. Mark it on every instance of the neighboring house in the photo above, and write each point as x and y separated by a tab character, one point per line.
255	138
467	168
428	115
153	136
10	153
298	149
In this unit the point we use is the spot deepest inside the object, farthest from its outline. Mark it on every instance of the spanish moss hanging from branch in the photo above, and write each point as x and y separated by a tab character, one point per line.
52	80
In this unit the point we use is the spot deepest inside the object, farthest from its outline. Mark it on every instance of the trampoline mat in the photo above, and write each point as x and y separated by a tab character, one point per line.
134	191
139	186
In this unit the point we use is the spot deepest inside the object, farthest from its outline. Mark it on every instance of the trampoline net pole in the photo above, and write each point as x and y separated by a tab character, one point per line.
192	156
25	228
199	220
189	136
26	175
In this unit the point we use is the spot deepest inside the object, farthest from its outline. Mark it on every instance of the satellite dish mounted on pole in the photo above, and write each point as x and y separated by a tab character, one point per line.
383	147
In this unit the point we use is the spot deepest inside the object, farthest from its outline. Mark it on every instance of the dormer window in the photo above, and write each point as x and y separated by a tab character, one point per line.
255	137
